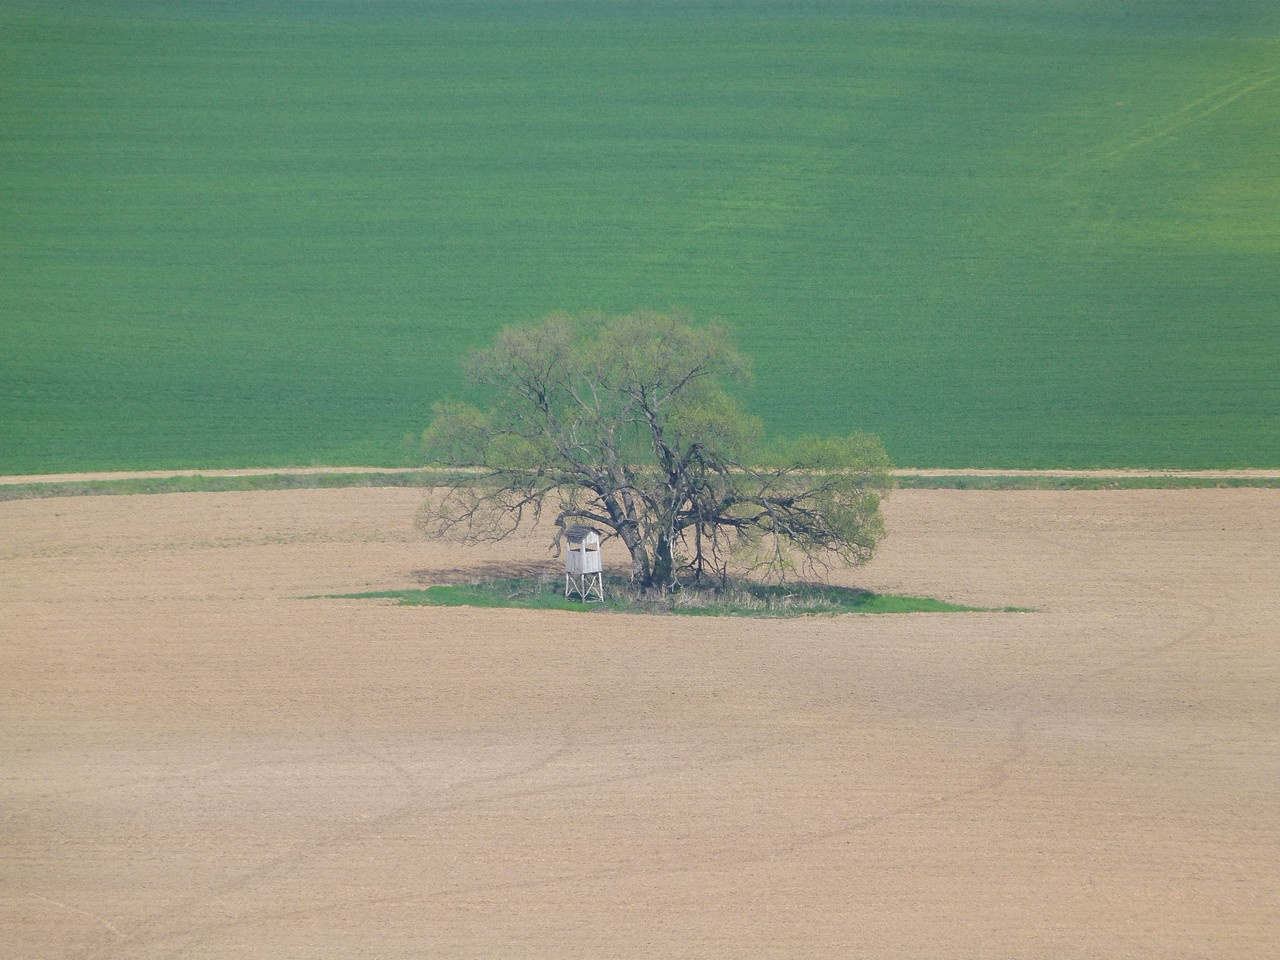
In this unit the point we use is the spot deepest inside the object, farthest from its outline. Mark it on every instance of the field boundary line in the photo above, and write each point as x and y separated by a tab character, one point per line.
106	479
110	475
1118	473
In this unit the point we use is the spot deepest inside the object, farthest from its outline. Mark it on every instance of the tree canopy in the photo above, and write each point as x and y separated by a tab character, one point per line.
628	423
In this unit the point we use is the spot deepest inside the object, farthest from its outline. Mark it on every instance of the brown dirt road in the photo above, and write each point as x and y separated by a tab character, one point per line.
195	762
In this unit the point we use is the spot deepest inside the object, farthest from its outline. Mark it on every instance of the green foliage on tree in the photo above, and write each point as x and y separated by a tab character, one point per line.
627	423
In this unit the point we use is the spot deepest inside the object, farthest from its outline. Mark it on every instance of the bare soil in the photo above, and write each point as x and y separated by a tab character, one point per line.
196	761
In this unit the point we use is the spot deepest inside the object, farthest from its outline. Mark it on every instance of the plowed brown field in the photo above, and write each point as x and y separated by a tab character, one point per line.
196	762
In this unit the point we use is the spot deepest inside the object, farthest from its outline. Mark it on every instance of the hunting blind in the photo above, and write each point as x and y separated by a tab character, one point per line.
583	574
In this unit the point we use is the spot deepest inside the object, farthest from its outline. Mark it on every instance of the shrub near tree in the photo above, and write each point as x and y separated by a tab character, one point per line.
626	423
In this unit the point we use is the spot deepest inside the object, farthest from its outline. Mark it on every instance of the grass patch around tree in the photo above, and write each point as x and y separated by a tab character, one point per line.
740	599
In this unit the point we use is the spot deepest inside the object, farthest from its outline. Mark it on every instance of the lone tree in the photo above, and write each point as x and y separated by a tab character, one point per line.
625	422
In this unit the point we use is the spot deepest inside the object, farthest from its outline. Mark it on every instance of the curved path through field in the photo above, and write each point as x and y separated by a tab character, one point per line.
198	762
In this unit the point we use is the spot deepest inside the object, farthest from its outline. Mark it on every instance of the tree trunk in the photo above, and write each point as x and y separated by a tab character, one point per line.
663	564
628	531
641	573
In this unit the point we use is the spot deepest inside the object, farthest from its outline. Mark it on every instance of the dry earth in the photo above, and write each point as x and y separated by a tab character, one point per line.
195	762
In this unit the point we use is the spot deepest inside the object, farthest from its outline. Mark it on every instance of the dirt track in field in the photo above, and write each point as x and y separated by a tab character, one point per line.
197	763
1254	474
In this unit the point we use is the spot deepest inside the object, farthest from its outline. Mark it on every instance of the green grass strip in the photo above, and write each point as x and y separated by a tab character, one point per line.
320	480
324	480
741	600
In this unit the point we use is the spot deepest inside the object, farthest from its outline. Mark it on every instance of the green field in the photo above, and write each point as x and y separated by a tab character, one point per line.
1010	233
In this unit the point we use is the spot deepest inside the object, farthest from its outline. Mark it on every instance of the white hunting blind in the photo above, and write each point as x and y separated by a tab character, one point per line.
583	574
